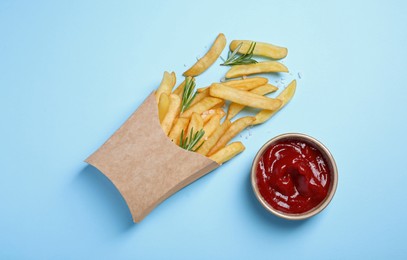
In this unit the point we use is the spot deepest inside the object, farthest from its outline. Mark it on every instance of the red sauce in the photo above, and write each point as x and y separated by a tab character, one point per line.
293	176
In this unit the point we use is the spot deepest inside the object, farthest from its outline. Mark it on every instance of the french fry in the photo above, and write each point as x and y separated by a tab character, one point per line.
243	84
233	130
221	112
207	115
173	111
243	97
195	124
213	139
163	105
179	125
199	90
180	89
209	58
246	84
228	152
199	96
166	85
285	96
255	68
235	108
262	49
203	105
211	126
219	105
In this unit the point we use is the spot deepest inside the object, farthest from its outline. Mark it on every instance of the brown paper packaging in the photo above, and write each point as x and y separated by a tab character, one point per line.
144	165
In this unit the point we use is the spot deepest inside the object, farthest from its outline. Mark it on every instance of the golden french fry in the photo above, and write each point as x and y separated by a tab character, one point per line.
255	68
166	85
243	97
243	84
196	123
262	49
233	130
199	90
219	105
211	126
180	89
199	96
203	105
264	90
246	84
173	111
220	112
163	105
285	96
179	125
228	152
207	115
210	57
213	139
235	108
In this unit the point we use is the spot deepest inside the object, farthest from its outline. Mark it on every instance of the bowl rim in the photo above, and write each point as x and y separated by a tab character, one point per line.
334	177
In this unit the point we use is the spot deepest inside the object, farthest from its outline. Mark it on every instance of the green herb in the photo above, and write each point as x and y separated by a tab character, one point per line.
235	59
188	94
189	142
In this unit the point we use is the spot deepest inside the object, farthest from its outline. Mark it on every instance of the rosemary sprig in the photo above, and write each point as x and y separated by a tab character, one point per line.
235	59
189	142
188	94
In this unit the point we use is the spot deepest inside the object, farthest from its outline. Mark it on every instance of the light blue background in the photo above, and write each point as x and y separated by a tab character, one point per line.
71	72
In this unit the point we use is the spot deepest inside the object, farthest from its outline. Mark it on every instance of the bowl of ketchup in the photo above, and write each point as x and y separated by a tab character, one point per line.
294	176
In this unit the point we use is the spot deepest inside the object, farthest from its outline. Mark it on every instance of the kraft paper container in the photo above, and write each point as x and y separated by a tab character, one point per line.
144	165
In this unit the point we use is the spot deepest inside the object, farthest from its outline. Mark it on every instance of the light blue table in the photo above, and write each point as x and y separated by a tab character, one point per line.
71	72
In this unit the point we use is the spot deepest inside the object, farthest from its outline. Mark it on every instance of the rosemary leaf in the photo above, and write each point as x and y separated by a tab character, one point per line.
188	94
189	142
235	59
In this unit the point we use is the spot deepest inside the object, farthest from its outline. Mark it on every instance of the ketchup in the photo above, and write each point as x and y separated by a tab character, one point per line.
293	176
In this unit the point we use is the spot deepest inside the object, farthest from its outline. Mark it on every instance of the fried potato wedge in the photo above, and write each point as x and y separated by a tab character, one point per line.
179	125
209	58
285	96
242	97
228	152
163	105
213	139
173	111
256	68
235	108
203	105
262	49
166	85
235	128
